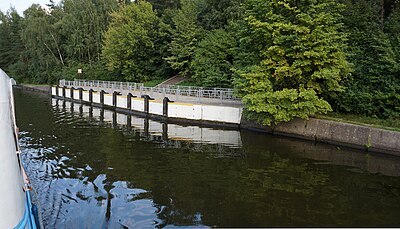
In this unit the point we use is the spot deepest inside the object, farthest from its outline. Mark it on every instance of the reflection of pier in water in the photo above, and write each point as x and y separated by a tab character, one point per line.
172	135
226	142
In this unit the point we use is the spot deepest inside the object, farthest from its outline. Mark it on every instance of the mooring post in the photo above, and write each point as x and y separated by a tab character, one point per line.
115	96
165	106
129	100
146	103
80	94
71	92
91	95
63	91
102	92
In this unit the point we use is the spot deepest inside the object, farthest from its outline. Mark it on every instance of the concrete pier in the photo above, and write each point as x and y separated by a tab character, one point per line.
164	108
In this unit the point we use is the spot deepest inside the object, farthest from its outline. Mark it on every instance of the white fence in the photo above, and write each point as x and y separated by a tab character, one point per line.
172	91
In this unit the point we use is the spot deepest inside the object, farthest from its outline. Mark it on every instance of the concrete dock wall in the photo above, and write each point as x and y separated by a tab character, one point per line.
336	133
184	111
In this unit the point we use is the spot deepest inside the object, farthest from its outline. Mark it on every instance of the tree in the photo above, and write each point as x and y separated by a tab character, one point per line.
42	55
185	37
213	59
217	14
132	42
373	89
161	5
10	41
83	26
301	58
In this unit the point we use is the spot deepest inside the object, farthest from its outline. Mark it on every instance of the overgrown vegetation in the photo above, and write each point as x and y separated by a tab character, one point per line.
287	58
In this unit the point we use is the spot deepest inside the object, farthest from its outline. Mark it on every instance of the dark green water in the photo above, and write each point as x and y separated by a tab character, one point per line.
99	169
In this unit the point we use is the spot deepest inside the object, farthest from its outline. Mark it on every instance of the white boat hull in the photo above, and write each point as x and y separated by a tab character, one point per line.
13	197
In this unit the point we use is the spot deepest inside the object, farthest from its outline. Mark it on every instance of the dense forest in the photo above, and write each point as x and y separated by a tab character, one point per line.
286	58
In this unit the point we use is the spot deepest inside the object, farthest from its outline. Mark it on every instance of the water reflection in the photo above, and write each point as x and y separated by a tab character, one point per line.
95	168
153	130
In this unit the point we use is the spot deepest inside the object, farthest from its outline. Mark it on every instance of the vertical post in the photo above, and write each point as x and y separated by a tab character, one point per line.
91	95
80	94
71	92
102	92
63	91
115	97
57	87
165	106
146	103
129	101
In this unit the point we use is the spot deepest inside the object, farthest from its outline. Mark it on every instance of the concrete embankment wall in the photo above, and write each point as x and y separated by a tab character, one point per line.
39	88
184	112
337	133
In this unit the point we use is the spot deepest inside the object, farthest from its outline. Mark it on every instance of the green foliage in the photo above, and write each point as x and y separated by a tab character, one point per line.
374	88
132	44
185	37
42	55
301	58
217	14
213	59
10	41
160	6
83	24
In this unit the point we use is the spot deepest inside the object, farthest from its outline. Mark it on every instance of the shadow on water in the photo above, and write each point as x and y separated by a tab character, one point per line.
94	168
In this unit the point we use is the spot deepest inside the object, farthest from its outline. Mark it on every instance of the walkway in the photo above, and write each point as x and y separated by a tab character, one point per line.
183	94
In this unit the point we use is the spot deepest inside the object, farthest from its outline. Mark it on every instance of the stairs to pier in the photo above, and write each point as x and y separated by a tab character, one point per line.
172	81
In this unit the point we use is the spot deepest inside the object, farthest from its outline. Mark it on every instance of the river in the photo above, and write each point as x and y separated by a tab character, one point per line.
94	168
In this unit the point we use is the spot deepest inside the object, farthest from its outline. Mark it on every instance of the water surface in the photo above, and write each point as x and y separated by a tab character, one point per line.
94	168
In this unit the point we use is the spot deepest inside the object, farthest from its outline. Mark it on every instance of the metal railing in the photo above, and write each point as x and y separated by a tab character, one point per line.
102	84
173	91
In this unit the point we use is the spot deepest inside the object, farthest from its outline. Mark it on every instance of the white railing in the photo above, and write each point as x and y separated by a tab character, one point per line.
102	84
172	91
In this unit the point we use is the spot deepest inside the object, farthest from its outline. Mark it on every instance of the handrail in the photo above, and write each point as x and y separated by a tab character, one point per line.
222	94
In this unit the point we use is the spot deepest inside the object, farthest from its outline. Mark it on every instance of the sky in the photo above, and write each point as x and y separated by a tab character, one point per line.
20	5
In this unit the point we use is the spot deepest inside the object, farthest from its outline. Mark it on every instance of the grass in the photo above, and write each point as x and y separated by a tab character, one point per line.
389	124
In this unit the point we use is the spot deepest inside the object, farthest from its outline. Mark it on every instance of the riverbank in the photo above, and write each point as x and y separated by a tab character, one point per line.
336	133
333	132
38	88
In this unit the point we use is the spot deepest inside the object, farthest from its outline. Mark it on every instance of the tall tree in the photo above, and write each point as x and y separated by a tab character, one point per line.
214	58
185	36
10	41
83	26
301	58
132	42
216	14
42	54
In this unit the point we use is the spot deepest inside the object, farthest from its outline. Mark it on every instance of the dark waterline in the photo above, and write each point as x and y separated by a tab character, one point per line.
93	168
